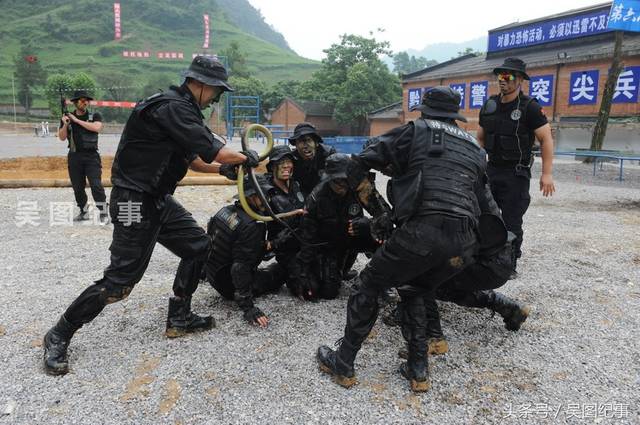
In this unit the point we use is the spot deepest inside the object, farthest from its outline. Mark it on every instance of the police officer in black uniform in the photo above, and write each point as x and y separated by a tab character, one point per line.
160	138
438	178
81	129
510	122
284	195
238	247
309	156
333	226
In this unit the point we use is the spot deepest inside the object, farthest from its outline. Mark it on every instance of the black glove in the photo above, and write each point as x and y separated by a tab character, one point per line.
252	160
361	226
252	314
382	227
230	171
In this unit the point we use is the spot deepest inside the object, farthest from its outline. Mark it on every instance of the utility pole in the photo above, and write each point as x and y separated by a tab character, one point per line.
13	90
600	129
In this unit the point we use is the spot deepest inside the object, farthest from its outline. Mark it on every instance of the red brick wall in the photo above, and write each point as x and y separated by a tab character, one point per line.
288	115
381	126
560	106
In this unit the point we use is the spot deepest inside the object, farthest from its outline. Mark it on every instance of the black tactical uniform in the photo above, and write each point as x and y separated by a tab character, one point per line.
238	248
308	172
83	160
324	232
473	287
163	133
284	244
509	137
438	178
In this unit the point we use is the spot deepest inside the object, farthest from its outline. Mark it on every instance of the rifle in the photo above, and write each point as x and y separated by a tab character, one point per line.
65	112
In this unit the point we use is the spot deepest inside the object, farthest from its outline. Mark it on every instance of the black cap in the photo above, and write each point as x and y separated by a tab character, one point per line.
79	94
441	101
209	71
513	64
304	129
278	153
336	166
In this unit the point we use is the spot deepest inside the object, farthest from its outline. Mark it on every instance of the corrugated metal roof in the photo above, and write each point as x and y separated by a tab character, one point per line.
316	108
581	50
387	112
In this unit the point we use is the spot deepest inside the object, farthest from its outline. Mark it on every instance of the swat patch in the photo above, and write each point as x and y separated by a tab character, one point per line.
354	210
230	219
451	130
300	196
516	114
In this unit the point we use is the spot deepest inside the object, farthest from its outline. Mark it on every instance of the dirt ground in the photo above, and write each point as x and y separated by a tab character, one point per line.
53	167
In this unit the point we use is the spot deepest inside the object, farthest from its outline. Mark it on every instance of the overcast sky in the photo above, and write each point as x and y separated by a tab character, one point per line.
313	25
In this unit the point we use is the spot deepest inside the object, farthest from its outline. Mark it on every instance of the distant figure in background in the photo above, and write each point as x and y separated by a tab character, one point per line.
81	129
43	132
46	128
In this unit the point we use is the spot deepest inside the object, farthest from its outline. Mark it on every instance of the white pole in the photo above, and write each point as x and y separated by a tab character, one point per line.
13	89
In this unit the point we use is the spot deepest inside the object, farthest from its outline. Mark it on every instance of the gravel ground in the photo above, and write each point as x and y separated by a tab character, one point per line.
576	360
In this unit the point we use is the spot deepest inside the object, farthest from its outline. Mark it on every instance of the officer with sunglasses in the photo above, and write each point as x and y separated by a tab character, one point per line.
510	122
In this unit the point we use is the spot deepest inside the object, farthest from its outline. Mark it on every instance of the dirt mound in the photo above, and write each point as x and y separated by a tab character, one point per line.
55	168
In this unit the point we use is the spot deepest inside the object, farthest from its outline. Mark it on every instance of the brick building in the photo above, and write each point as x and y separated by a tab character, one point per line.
320	114
568	56
384	119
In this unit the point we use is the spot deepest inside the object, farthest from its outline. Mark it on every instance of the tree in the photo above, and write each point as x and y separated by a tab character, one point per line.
63	85
236	60
367	87
157	83
600	129
404	64
467	51
354	79
28	75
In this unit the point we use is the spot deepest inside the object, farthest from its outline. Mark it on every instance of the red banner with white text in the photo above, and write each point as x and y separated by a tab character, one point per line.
205	45
116	21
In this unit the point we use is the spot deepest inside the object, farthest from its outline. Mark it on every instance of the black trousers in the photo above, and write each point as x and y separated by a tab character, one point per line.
265	280
85	166
511	192
332	259
139	221
425	252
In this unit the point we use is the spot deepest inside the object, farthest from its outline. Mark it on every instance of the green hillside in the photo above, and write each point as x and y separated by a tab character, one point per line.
78	36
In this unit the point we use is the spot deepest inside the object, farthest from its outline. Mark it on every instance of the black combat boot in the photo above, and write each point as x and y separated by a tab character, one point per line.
338	364
181	321
512	313
436	341
416	371
55	343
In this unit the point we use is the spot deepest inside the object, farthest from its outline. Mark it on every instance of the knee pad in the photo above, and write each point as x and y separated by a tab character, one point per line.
110	293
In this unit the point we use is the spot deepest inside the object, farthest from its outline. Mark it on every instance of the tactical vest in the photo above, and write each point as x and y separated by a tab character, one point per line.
445	165
83	139
223	229
178	165
282	202
507	139
334	212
